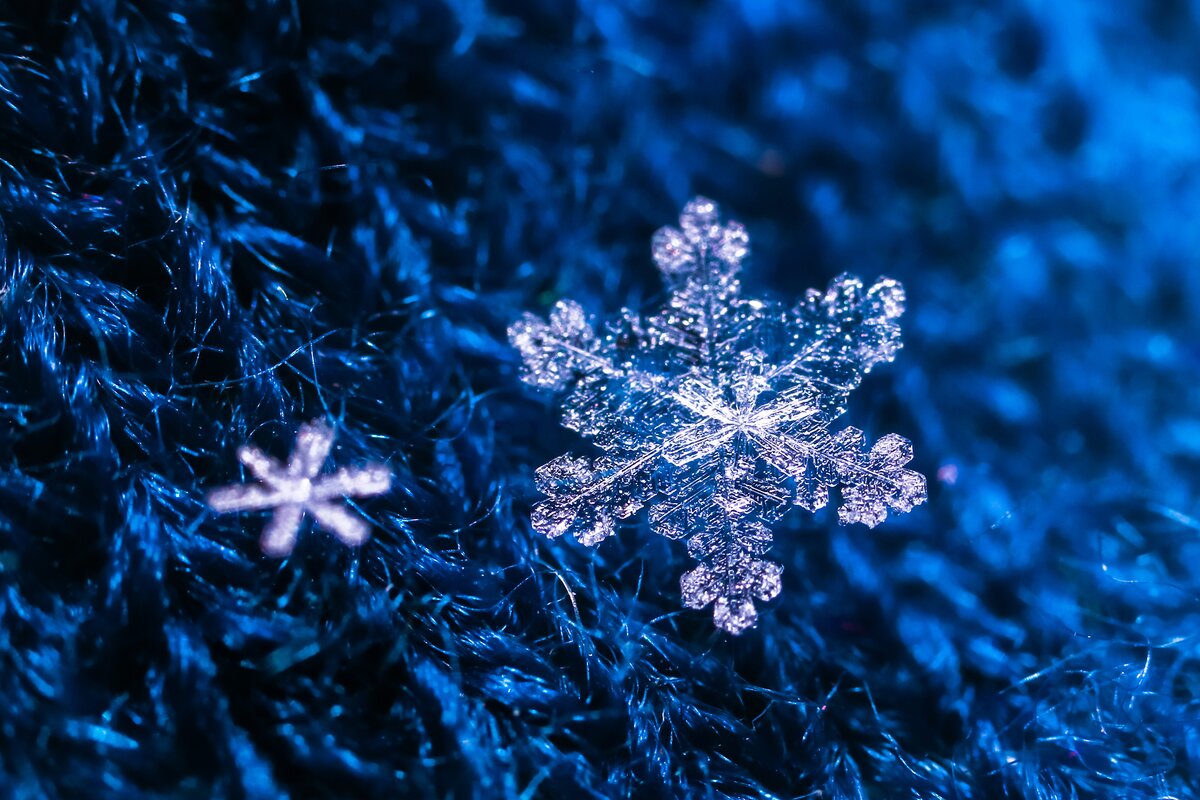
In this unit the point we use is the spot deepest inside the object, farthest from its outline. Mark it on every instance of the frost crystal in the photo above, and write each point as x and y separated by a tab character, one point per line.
714	412
293	489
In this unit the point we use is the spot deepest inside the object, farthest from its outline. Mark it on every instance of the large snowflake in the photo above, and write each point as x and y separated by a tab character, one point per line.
715	413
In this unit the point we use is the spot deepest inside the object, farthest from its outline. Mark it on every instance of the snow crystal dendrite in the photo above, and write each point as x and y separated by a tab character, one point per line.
714	412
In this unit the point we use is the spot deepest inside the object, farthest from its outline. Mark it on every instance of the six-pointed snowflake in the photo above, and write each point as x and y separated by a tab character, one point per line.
715	413
294	489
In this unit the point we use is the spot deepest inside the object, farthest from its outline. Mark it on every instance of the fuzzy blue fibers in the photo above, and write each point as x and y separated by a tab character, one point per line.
220	220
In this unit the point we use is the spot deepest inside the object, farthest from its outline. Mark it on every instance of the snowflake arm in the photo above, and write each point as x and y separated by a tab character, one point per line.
372	479
732	584
870	482
874	481
558	351
715	411
587	499
700	260
279	536
701	247
313	443
838	335
721	510
242	498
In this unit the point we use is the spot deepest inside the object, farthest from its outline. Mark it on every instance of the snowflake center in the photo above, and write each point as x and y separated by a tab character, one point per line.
299	490
745	417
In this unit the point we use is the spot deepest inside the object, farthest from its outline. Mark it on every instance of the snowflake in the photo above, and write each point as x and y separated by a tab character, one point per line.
294	489
714	412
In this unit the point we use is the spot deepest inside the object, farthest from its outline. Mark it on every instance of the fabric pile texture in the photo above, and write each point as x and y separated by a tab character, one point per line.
220	221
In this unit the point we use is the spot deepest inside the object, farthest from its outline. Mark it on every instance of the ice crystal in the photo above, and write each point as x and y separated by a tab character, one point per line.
714	412
294	489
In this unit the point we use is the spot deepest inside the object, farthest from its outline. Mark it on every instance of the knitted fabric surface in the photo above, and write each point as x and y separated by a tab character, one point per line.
220	221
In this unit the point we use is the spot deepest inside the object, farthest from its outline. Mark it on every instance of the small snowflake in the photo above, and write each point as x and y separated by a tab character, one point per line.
294	489
715	413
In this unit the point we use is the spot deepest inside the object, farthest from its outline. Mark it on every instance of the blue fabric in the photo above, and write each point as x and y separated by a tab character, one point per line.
219	222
